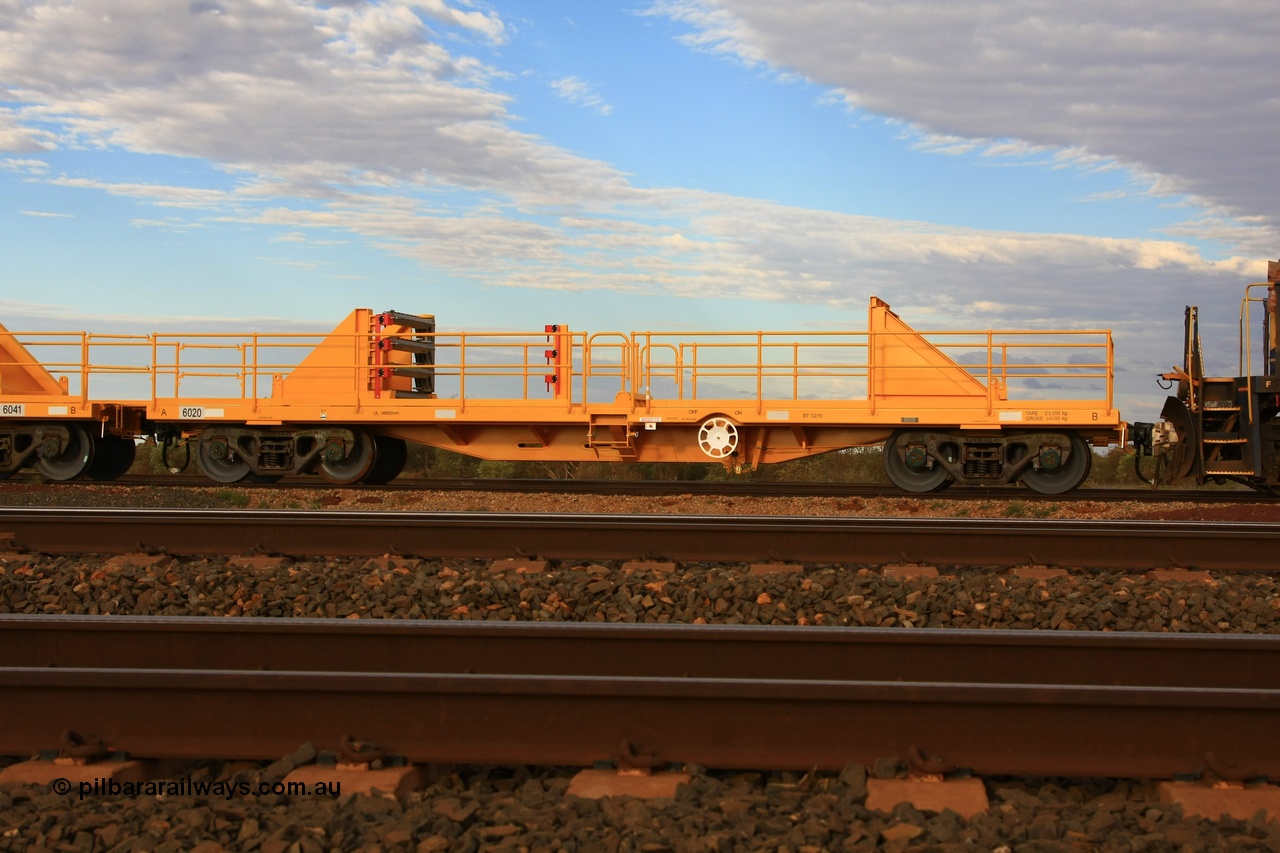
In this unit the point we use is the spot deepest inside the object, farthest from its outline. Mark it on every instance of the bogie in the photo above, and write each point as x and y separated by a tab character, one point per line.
340	455
1047	462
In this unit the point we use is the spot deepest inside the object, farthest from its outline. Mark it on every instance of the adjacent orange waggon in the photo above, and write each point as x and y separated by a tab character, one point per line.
973	407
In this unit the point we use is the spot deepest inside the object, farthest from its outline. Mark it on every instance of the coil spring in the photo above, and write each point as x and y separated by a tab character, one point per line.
982	468
275	460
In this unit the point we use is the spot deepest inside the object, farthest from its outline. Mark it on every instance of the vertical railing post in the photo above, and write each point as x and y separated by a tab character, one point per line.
991	372
795	370
1111	373
586	368
638	384
154	367
759	372
693	373
679	370
1004	368
253	373
462	371
84	369
871	369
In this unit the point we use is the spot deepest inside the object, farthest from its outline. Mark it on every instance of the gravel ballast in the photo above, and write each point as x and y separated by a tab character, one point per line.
694	593
470	809
466	809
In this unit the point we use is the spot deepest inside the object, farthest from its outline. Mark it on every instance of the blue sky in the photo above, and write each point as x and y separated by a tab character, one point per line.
713	164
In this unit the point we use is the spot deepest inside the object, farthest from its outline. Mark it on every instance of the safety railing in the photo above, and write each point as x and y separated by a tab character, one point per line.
760	366
651	366
466	365
84	364
1246	338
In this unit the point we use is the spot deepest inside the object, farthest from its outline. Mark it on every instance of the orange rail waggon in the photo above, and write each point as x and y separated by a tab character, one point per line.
973	407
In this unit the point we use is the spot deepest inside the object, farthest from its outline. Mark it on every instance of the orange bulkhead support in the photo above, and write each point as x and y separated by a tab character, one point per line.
560	357
21	374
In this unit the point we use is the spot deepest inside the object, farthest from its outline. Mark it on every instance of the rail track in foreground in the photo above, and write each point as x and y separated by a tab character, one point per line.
999	703
725	488
1100	544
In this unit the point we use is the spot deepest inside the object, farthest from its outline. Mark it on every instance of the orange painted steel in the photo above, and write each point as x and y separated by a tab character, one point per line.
744	398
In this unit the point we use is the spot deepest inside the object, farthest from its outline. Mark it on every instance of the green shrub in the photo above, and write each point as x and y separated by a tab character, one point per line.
232	497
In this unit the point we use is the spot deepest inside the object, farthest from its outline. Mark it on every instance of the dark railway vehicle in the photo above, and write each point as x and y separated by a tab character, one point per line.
1220	428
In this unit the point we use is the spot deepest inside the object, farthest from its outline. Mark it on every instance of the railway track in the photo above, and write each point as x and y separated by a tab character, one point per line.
1133	545
666	488
1022	703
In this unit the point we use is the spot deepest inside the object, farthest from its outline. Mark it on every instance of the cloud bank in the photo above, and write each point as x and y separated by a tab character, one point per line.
1184	92
388	122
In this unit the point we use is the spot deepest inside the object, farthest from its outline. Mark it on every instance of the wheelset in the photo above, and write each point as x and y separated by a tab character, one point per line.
909	468
66	461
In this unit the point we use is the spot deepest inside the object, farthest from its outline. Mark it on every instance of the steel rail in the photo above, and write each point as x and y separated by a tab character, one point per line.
642	650
1150	705
1106	544
723	488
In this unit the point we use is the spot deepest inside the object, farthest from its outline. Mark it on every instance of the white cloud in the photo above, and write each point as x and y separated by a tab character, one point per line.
170	223
293	262
162	196
290	89
46	214
15	136
43	317
724	247
486	23
1185	91
33	167
580	92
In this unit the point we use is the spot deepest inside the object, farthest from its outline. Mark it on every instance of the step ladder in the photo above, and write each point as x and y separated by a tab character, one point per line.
1226	446
612	432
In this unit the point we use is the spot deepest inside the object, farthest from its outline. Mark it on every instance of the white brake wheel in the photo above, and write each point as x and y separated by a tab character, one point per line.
718	437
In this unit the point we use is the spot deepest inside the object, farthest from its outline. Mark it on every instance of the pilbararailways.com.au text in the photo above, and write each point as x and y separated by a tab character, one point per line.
106	787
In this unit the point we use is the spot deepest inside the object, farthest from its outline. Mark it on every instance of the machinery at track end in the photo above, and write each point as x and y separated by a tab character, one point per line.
1220	428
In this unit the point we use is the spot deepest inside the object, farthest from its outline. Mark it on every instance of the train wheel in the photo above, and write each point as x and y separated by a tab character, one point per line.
1064	477
350	468
912	474
219	461
71	461
718	437
390	456
112	456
